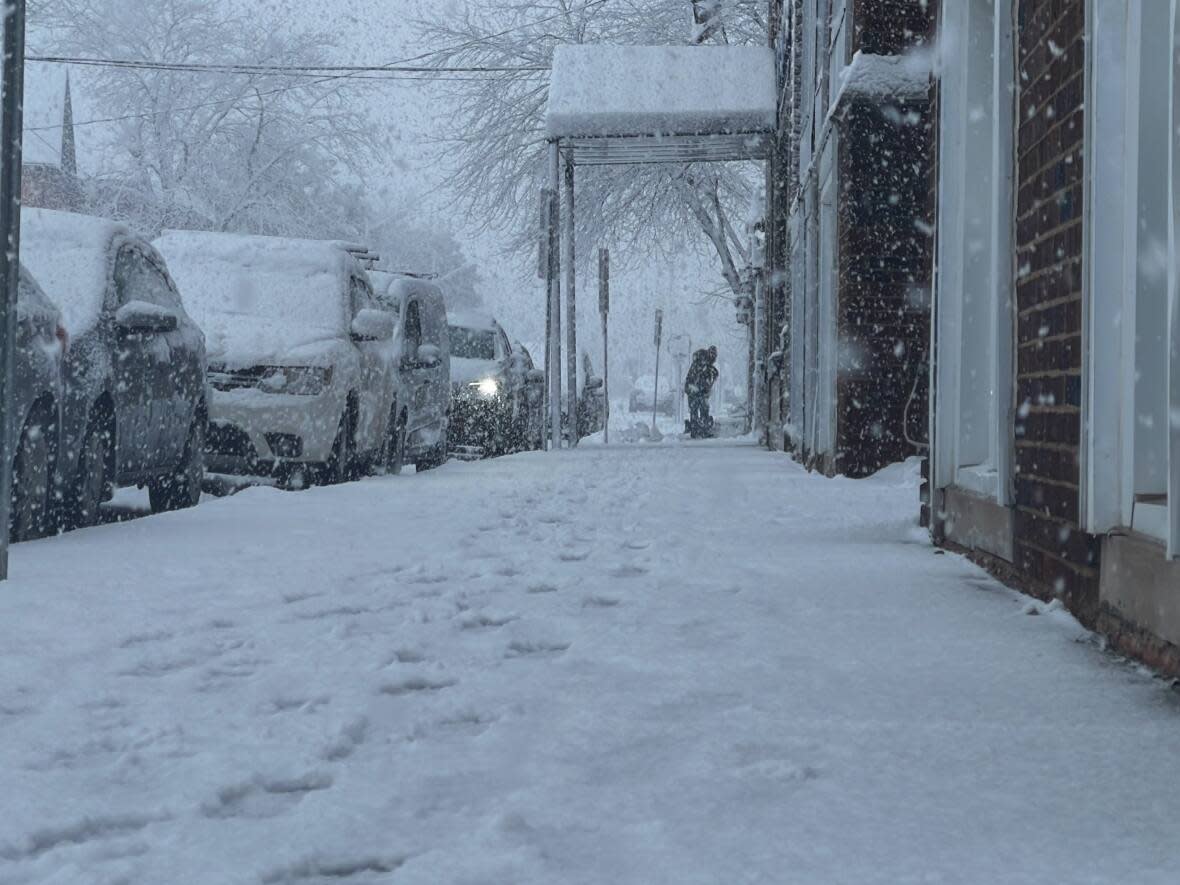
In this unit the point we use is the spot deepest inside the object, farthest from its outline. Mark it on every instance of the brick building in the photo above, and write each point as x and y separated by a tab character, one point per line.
1055	451
849	232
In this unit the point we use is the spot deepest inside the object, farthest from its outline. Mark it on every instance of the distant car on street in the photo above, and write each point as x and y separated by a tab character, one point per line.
135	402
423	362
533	405
489	401
643	393
35	422
301	357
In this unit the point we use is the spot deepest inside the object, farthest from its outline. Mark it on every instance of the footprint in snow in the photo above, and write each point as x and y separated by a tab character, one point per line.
416	685
346	743
574	555
541	588
628	571
264	797
600	601
532	648
481	621
321	869
406	656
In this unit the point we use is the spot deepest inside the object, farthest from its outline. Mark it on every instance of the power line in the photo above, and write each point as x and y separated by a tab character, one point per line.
348	73
280	70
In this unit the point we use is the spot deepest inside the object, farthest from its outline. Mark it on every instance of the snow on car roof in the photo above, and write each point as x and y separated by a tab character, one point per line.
472	320
256	295
397	287
72	259
600	90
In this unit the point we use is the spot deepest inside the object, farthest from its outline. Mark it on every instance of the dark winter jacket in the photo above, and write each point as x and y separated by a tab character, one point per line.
701	375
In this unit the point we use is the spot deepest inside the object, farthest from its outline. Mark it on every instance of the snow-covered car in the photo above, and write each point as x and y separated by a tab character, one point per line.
424	362
301	357
488	398
35	421
533	402
135	404
643	395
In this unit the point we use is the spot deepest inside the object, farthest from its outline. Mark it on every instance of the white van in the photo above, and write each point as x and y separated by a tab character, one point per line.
301	357
424	362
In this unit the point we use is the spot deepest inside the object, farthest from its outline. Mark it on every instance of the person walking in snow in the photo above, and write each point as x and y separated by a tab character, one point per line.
698	385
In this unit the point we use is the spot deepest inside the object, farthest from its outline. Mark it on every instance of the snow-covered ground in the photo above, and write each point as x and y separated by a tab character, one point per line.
648	664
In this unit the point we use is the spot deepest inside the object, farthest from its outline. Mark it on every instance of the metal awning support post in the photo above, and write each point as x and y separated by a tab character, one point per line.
11	127
553	335
571	314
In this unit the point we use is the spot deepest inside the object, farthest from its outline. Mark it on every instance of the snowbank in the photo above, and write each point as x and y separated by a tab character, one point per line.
875	77
259	297
72	257
599	90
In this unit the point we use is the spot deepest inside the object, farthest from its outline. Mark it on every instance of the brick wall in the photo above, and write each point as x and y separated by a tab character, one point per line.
1050	549
886	254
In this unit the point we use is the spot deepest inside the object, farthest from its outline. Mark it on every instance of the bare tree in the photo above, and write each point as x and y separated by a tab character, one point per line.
497	138
234	151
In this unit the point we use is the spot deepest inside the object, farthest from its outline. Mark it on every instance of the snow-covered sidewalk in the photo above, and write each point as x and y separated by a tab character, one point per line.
665	664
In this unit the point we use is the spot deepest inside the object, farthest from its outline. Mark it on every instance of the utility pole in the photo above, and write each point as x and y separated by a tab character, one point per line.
554	280
12	84
571	311
604	311
656	386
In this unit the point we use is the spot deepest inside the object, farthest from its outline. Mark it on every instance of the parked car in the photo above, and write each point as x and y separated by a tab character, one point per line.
643	394
591	400
35	421
489	401
135	405
533	403
301	357
424	362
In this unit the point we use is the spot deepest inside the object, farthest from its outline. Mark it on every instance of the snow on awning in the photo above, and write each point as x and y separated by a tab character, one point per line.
881	77
629	104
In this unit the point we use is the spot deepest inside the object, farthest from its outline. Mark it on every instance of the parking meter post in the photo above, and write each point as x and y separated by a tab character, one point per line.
604	310
12	84
656	387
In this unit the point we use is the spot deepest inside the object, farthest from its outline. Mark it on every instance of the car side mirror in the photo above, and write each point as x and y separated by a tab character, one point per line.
373	325
429	356
143	317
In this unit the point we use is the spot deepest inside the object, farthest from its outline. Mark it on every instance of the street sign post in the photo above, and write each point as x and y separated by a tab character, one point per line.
12	84
604	310
544	270
656	386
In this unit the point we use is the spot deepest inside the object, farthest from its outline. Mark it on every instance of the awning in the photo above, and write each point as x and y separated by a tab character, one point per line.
662	104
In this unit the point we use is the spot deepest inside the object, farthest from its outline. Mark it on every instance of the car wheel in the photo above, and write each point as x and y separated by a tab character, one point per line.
436	457
182	489
338	468
395	446
30	484
91	484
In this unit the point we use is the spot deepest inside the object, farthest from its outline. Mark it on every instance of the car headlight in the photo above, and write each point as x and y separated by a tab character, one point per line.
297	380
486	387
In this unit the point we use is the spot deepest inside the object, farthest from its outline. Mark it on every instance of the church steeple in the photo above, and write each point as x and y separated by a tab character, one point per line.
69	149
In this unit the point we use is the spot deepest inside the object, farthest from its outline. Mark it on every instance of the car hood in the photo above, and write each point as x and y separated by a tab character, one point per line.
255	342
464	371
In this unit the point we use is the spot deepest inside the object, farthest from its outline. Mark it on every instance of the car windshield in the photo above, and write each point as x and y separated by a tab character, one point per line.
473	344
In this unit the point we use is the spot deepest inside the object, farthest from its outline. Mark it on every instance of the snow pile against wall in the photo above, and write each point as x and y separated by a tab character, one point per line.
601	90
259	297
72	257
876	77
